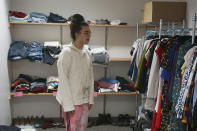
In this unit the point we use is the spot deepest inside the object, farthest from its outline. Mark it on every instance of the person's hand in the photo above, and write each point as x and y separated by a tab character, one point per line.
89	106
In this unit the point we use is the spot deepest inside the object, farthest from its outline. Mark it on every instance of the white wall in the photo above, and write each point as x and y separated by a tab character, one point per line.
191	10
127	10
5	117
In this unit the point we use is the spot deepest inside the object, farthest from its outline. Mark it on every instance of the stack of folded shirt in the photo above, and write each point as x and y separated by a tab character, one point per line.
21	84
96	86
38	85
52	83
108	85
100	55
102	21
15	16
38	17
17	50
25	83
55	18
125	85
51	51
34	52
117	22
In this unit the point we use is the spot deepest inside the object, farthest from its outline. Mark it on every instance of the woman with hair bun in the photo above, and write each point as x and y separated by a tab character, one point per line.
75	71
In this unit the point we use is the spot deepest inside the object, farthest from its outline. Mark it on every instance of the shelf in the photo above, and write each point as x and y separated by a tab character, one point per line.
65	24
103	93
34	94
117	93
32	23
95	64
120	59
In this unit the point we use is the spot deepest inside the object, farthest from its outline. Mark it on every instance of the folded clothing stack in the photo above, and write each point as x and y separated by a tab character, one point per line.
117	22
106	21
15	16
52	83
125	85
107	85
51	51
38	85
100	55
17	50
120	84
102	21
20	50
38	17
55	18
21	84
25	83
34	52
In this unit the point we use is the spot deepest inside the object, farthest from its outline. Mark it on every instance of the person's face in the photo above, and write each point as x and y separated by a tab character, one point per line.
84	35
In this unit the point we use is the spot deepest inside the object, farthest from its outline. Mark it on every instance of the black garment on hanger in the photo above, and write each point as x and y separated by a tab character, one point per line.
195	116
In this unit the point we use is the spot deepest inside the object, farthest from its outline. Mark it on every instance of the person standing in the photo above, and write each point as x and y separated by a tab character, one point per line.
75	71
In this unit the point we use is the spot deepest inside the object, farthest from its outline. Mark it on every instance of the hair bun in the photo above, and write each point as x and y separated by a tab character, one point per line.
77	19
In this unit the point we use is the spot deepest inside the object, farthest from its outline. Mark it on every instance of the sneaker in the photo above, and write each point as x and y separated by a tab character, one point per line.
100	120
109	120
126	120
121	120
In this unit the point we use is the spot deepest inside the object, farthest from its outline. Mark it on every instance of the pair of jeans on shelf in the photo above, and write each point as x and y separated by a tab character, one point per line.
17	50
55	18
35	52
38	17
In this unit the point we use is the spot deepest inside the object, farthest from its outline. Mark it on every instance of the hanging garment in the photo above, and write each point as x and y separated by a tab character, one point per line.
153	83
175	124
166	63
195	116
186	82
143	68
186	117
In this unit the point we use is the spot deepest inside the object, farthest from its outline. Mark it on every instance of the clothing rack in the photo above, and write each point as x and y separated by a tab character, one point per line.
171	28
194	28
137	36
136	97
160	28
105	70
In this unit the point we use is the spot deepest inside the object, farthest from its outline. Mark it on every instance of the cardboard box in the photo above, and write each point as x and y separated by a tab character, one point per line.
168	11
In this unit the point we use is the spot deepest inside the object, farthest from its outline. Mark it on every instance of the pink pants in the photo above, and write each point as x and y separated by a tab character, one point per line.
77	121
